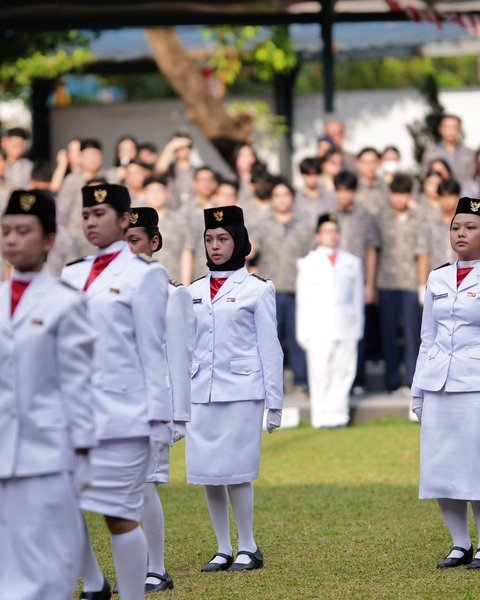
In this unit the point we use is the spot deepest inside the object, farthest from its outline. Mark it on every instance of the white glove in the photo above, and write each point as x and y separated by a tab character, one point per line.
421	295
417	407
82	474
160	437
274	419
179	431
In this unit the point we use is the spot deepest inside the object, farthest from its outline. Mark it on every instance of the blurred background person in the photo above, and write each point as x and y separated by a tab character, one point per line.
372	192
329	323
175	161
19	168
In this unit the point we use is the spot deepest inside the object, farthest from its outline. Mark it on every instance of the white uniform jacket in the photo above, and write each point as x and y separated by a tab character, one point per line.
236	352
449	356
127	305
330	303
45	366
180	328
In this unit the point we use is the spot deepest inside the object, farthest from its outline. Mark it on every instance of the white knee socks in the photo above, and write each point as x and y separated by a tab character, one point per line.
455	515
130	557
154	528
241	497
217	503
476	514
91	573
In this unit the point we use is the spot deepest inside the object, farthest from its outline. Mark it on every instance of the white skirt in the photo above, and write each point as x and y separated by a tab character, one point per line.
159	470
223	442
119	469
450	446
42	538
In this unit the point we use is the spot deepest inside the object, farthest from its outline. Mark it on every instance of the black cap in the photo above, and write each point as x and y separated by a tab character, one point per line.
223	216
327	218
36	203
143	216
469	206
108	193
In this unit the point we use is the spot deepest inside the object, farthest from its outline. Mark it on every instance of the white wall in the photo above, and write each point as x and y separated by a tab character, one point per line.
373	118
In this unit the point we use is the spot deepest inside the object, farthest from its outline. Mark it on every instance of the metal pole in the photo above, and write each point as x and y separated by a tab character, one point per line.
327	21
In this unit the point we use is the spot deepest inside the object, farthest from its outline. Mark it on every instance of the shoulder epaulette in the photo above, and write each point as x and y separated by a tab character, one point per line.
441	266
148	259
260	277
74	262
69	285
174	282
198	279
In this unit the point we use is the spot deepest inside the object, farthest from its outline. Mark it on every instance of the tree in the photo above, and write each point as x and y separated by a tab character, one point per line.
268	52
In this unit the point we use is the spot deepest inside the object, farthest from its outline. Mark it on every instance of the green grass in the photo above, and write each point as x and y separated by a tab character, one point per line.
336	516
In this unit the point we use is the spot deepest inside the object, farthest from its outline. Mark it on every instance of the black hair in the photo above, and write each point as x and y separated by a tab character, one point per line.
449	187
41	171
347	180
401	184
232	182
161	179
391	148
90	143
367	149
282	181
150	146
206	168
17	132
309	166
444	163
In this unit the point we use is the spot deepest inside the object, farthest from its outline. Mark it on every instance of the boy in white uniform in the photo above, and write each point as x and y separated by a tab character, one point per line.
329	322
46	420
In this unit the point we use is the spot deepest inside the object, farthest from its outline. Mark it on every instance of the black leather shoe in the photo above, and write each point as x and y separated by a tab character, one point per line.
103	594
448	563
211	566
165	582
255	562
475	564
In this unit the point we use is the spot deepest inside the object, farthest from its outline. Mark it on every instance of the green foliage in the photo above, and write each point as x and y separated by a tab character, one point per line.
391	73
26	56
266	51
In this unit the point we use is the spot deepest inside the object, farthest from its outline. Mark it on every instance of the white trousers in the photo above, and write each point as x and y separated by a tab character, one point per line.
331	371
41	538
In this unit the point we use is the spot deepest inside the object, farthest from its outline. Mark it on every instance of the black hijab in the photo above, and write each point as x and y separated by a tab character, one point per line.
232	221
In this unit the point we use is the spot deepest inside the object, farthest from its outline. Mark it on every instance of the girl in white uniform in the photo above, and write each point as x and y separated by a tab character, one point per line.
46	418
144	237
446	386
237	370
127	299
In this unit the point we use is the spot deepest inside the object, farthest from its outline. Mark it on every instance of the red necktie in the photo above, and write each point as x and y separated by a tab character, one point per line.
215	284
98	265
462	272
333	258
18	288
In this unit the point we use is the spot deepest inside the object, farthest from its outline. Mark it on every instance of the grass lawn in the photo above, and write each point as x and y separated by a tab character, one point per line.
337	516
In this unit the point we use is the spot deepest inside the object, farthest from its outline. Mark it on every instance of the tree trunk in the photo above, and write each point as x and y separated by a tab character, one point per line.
203	109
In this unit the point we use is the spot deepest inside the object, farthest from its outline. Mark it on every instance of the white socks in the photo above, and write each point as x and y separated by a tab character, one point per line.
130	557
476	514
217	503
91	573
455	515
154	528
241	497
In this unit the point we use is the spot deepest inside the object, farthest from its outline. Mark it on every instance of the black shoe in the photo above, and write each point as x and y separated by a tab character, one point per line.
256	561
103	594
475	564
447	562
115	588
211	566
165	582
